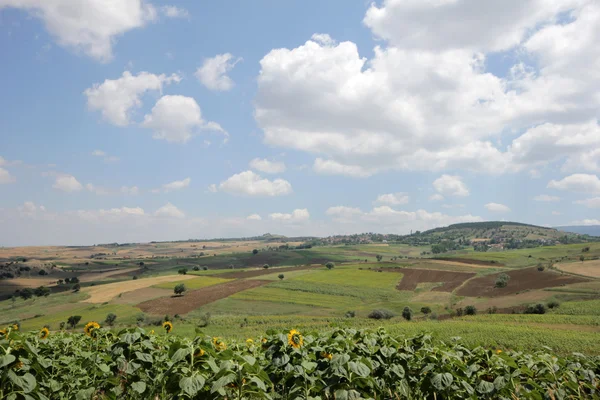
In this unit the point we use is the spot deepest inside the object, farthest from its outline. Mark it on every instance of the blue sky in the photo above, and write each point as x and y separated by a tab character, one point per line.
153	120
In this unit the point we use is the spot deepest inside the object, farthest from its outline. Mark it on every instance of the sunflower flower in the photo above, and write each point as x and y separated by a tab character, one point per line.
44	333
249	342
498	351
295	339
90	328
168	326
15	327
199	353
326	355
219	344
2	333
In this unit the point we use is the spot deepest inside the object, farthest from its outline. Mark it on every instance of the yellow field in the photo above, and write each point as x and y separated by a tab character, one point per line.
587	268
104	293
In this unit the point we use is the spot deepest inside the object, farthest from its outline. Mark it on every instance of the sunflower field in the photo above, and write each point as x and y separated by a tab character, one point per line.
341	364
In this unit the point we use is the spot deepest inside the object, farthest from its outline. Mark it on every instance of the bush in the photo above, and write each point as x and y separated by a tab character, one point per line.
502	280
350	314
76	287
536	309
380	314
407	313
553	304
255	251
205	268
135	277
266	266
26	293
42	272
426	310
540	267
281	276
73	320
470	310
379	258
179	289
330	265
42	291
182	271
110	319
492	310
459	312
204	320
196	268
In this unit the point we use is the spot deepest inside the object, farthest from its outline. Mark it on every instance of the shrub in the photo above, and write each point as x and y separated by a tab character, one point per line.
204	320
135	277
73	320
76	287
196	268
26	293
407	313
266	266
182	271
350	314
179	289
255	251
426	310
492	310
459	312
540	267
470	310
110	319
379	258
380	314
536	309
42	272
553	304
281	276
502	280
205	268
330	265
42	291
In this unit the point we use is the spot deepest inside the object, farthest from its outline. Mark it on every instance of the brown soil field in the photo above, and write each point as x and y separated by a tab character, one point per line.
451	280
196	298
522	279
587	268
104	293
471	265
139	295
103	274
262	271
470	261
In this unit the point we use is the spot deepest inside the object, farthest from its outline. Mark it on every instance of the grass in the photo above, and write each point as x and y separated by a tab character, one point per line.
351	277
587	307
24	309
191	284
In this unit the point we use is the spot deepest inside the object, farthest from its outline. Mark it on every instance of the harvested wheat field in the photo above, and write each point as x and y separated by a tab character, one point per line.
522	279
412	277
139	295
196	298
104	293
587	268
262	271
104	274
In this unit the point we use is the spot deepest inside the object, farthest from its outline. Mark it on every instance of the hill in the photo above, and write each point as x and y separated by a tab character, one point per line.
592	230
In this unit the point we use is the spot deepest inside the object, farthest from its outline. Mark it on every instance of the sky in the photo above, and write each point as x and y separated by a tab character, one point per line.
133	121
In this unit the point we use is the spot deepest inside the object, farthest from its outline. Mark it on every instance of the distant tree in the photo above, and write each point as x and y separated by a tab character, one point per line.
182	271
266	266
281	276
196	268
502	280
205	268
536	309
42	272
459	312
581	258
470	310
426	310
553	304
74	280
179	289
141	263
42	291
380	314
255	251
62	325
26	293
73	320
135	277
76	287
407	313
585	249
59	282
350	314
379	257
330	265
540	267
110	319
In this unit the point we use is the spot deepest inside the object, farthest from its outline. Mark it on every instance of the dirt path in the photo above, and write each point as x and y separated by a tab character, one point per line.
262	271
196	298
412	277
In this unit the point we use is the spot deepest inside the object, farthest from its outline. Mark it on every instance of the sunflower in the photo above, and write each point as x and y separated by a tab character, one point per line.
249	342
295	339
152	332
199	353
326	355
44	333
168	326
2	333
498	351
219	344
264	340
18	365
90	328
15	327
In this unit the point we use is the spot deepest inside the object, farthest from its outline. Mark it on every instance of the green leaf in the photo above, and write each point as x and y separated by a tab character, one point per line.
249	359
442	381
485	387
138	387
26	382
84	394
259	383
144	357
220	383
281	360
359	368
104	368
191	385
6	359
180	354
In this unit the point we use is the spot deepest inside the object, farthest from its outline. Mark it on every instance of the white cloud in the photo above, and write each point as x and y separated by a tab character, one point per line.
117	98
177	119
331	167
450	185
392	199
212	188
131	191
6	177
29	208
176	185
174	12
586	222
583	183
169	210
497	207
107	158
269	167
324	39
91	26
436	197
298	215
251	184
254	217
67	183
546	198
213	72
589	203
97	190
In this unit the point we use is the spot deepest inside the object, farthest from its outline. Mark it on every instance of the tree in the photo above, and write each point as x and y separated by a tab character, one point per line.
379	258
407	313
426	310
470	310
74	280
42	272
255	251
182	271
502	280
581	258
76	287
73	320
266	266
135	277
26	293
179	289
196	268
110	319
330	265
281	276
42	291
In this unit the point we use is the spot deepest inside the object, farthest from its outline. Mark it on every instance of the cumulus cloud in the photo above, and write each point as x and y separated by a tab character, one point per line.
169	210
546	198
583	183
67	183
393	199
254	217
92	26
266	166
298	215
331	167
213	72
116	99
497	207
450	185
589	203
176	185
6	177
177	118
249	183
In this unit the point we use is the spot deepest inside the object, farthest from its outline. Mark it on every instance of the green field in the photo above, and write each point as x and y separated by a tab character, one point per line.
195	283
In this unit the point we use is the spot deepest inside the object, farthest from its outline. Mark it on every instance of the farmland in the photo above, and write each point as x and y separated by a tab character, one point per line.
238	289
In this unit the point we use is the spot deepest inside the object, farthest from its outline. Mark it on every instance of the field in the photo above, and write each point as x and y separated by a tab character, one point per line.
232	292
